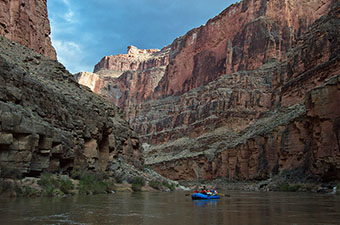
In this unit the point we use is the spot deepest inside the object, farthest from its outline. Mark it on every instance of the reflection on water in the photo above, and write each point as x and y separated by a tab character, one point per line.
174	208
203	203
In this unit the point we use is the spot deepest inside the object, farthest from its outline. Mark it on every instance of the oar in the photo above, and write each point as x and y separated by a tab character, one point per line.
223	194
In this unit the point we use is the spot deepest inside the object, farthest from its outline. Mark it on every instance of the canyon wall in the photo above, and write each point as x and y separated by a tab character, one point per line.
297	136
243	37
301	141
49	123
234	99
26	22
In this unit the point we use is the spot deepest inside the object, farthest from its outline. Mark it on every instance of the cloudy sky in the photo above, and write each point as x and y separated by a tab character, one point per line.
84	31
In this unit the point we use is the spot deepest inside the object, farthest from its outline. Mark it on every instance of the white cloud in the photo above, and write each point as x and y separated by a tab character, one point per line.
69	15
71	55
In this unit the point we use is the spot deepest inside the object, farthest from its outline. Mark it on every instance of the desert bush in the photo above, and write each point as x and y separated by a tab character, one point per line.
54	186
160	185
90	184
289	188
168	185
137	180
155	184
136	187
28	191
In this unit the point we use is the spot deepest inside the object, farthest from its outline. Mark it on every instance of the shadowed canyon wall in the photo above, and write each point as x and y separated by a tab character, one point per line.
48	122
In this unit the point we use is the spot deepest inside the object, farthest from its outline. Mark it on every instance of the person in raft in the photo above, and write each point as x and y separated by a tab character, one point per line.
206	191
203	191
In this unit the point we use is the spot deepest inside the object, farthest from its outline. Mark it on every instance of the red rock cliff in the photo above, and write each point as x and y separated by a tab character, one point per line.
233	99
243	37
300	134
26	22
128	79
135	59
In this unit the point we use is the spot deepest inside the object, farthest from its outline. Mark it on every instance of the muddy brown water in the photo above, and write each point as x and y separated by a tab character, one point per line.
174	208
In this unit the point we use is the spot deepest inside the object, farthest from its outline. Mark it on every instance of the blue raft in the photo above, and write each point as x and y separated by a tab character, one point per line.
198	196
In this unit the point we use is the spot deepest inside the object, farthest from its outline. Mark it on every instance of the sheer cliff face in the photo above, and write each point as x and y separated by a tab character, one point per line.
235	98
26	22
243	37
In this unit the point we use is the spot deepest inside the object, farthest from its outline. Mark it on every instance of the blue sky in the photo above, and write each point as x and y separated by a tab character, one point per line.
84	31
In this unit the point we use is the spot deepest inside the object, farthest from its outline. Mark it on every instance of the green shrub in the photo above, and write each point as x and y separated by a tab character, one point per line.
90	184
159	185
48	190
47	179
338	189
66	185
137	180
136	187
168	185
53	186
155	184
28	191
286	187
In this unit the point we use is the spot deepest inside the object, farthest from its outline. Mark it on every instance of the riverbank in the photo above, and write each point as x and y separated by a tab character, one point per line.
276	184
49	185
124	178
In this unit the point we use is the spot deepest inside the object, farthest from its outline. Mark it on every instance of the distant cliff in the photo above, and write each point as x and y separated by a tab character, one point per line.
26	22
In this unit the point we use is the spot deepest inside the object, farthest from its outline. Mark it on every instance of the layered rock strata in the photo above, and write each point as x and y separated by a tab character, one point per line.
302	139
26	22
49	123
299	133
243	37
233	99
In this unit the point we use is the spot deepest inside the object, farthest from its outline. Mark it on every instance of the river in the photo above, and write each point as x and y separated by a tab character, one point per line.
174	208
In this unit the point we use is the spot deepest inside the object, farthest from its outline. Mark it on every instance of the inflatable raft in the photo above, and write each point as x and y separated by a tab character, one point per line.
197	196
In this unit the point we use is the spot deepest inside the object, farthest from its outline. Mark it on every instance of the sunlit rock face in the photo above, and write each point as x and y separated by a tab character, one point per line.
134	60
233	98
26	22
244	36
130	78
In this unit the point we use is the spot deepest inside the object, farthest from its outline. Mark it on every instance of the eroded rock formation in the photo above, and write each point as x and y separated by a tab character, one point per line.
48	122
302	139
26	22
298	134
235	98
128	79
